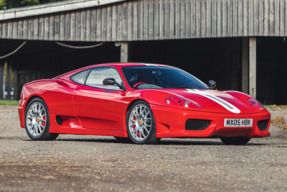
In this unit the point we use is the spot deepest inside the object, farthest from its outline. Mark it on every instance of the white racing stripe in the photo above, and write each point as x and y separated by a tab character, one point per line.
149	64
216	99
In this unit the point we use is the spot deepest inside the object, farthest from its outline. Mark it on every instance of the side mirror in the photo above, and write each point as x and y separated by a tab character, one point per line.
109	81
212	84
112	81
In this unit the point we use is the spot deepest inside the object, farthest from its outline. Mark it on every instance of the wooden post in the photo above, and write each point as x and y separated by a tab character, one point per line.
8	84
252	66
245	76
15	84
124	52
1	80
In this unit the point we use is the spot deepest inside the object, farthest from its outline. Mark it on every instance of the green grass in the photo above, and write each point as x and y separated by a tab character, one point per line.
9	102
275	106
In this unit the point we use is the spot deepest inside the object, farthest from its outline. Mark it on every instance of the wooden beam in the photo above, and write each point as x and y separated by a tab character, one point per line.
1	80
252	66
124	52
244	59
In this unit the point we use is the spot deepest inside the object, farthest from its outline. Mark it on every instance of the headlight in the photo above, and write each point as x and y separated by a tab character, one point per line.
181	102
254	103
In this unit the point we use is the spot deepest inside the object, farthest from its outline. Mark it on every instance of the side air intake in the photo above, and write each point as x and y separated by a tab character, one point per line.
262	124
196	124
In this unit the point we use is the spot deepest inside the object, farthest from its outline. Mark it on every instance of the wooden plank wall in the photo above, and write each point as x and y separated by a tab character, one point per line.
155	20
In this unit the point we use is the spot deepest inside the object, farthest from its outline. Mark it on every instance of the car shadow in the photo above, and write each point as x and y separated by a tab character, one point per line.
200	142
162	142
98	140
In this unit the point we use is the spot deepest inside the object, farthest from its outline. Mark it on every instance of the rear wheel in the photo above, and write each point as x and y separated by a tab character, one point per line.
141	124
37	121
235	140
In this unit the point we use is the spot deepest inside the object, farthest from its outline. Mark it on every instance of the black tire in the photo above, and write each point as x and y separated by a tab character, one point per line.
150	138
123	139
32	123
235	140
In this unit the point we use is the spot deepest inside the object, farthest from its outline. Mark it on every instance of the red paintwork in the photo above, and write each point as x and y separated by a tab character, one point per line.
95	111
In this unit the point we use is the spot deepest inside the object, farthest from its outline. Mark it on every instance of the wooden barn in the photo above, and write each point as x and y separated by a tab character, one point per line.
240	44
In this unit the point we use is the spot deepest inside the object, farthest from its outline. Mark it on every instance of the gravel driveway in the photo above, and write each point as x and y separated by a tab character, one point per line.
93	163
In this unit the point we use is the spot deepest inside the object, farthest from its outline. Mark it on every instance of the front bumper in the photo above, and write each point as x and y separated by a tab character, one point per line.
170	122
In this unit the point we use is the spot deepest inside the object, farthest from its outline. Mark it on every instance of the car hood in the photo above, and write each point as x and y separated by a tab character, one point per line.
214	100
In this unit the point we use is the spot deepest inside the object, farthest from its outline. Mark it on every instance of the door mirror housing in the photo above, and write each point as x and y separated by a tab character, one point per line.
109	81
211	84
112	81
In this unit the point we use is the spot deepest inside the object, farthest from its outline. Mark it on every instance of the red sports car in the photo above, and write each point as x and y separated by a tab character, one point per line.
138	102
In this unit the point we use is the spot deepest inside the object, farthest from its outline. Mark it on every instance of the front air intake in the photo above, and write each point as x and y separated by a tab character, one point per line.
262	124
196	124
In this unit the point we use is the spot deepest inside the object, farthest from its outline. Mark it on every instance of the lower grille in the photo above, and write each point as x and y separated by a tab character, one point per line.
196	124
262	124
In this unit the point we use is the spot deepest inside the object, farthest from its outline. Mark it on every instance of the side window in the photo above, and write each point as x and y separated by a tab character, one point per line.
80	77
97	76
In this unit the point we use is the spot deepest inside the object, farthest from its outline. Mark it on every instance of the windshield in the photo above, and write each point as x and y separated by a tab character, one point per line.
154	77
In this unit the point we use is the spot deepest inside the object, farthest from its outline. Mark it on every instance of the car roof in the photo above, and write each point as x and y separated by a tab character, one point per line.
115	65
128	64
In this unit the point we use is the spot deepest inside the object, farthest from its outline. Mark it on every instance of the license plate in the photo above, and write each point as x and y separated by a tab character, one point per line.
238	122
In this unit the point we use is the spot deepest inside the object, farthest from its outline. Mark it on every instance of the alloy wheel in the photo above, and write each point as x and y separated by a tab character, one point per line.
36	119
140	122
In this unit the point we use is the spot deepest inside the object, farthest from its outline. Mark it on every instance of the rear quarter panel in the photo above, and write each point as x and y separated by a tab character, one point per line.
57	97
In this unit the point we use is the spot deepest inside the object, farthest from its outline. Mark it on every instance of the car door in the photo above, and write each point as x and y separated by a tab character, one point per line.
100	106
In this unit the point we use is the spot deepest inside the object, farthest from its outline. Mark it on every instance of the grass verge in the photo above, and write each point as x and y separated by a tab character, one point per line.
9	102
275	106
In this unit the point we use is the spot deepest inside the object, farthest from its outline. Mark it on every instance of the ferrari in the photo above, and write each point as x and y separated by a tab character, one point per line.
140	103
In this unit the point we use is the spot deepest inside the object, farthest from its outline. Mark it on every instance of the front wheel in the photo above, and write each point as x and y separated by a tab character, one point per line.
141	124
37	121
235	140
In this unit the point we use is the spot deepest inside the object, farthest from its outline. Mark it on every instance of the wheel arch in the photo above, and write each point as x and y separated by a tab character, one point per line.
136	100
31	98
